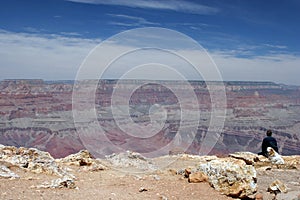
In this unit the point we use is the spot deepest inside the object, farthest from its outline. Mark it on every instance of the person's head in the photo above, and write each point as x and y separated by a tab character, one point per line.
269	133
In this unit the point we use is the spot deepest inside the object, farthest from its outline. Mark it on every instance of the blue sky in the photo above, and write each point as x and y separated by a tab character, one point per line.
248	39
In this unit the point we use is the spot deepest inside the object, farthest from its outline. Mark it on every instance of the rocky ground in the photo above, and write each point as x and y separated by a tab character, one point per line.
108	185
33	174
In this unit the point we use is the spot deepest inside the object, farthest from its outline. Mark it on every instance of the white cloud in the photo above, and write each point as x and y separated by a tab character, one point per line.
32	30
59	57
134	21
174	5
279	68
276	46
139	19
44	56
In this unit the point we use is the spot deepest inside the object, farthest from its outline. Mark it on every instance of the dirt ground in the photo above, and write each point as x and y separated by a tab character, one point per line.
290	177
128	183
114	183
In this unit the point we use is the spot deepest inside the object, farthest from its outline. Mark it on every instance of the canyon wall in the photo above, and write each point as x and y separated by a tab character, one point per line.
37	113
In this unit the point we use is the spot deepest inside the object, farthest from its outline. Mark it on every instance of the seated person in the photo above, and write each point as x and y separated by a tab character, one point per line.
268	141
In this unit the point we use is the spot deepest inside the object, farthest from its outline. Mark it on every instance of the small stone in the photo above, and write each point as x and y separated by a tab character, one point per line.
259	196
172	172
162	197
156	177
180	172
142	189
197	177
187	172
65	182
277	186
137	177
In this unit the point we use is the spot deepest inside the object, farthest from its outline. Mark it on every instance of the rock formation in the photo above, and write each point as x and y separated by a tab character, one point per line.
37	113
131	159
85	159
231	177
31	159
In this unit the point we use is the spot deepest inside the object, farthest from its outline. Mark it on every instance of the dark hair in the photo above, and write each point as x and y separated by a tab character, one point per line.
269	133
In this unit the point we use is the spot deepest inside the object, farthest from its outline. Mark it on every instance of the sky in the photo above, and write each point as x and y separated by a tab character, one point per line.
248	40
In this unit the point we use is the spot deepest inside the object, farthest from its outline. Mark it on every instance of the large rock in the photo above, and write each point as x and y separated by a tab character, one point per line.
38	161
131	159
83	158
248	157
231	177
31	159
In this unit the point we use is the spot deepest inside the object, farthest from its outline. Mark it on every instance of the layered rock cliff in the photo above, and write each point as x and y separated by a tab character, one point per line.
35	113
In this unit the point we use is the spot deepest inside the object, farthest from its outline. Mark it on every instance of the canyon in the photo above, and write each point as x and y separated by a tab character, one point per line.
147	117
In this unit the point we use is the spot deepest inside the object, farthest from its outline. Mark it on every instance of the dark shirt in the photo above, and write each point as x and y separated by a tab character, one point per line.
269	141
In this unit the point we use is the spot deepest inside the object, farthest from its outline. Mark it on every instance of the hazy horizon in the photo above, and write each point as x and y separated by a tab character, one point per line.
112	79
